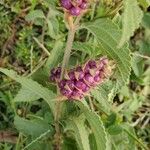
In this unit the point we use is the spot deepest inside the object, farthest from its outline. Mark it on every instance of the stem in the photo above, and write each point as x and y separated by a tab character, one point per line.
58	133
41	46
18	142
70	40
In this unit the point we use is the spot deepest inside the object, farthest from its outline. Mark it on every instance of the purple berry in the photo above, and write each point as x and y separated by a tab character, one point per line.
86	89
71	75
97	78
70	84
66	92
79	73
78	2
89	78
58	76
79	68
83	5
58	70
80	84
75	11
92	64
62	83
76	93
66	4
52	78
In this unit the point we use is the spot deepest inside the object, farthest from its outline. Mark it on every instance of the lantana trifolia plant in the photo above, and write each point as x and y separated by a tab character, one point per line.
78	83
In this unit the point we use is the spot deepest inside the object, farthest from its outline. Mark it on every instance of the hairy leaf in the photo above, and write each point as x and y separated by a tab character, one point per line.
97	127
34	87
31	127
25	95
88	48
54	58
77	126
108	34
34	14
132	17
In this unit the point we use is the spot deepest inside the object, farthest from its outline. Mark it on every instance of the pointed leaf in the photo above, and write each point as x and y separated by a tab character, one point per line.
132	18
34	87
96	125
77	125
108	34
31	127
25	95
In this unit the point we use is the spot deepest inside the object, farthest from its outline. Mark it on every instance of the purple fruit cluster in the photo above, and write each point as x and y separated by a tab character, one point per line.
78	81
74	7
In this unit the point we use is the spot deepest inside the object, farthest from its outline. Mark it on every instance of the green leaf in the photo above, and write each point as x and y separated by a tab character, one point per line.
25	95
77	125
31	127
97	127
53	27
37	89
101	96
34	14
88	48
114	129
132	18
55	57
146	20
69	144
108	35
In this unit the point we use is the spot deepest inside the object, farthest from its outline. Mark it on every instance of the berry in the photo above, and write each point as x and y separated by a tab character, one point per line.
78	2
83	5
77	94
97	78
70	84
71	75
52	78
62	83
66	4
89	78
75	11
66	92
80	85
79	73
92	64
87	88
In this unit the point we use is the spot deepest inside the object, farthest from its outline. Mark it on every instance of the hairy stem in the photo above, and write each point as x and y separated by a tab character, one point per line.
70	39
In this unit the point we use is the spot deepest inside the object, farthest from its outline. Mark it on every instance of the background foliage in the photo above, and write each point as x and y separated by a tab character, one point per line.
116	114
